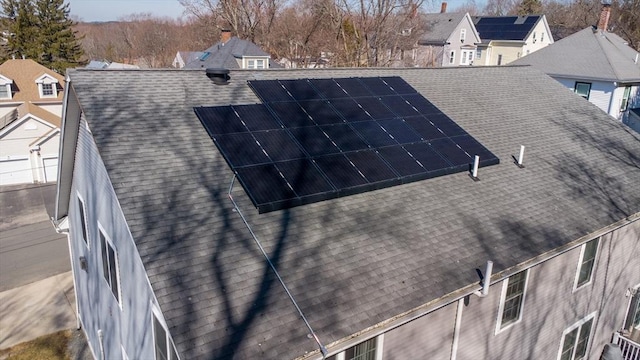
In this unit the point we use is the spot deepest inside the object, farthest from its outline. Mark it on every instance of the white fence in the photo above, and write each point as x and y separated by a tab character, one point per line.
630	349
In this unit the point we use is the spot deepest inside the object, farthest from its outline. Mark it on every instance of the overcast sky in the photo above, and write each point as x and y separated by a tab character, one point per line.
108	10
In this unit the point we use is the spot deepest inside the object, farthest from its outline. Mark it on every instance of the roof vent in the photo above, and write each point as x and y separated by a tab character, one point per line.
218	76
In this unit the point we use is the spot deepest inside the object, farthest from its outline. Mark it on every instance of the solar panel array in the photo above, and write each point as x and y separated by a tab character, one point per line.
505	27
318	139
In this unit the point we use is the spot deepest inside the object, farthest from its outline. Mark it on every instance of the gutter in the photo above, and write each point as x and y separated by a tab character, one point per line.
436	304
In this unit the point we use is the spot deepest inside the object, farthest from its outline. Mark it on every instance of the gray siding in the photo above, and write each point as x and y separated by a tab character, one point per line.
129	327
551	305
420	339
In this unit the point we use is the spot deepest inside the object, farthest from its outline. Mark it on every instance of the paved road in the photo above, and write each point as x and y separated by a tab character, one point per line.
30	249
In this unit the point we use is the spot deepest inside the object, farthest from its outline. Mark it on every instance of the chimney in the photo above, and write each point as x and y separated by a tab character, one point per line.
443	7
225	36
603	22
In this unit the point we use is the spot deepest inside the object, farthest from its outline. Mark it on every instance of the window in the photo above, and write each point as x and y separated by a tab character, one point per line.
83	220
625	98
368	350
586	263
255	64
452	56
5	91
163	348
499	59
463	34
47	89
575	340
632	320
583	89
478	54
512	299
110	265
542	37
466	57
534	37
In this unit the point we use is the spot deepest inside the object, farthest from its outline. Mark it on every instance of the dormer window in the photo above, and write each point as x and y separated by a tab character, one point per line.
5	88
47	86
256	63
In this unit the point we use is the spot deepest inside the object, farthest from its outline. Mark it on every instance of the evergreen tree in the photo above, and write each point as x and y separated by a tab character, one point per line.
41	30
59	47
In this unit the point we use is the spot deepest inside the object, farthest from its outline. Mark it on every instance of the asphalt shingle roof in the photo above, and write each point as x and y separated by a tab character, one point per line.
24	73
439	27
353	262
226	55
587	54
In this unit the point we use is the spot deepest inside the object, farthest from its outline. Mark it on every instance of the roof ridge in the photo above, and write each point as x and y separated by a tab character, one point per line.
606	53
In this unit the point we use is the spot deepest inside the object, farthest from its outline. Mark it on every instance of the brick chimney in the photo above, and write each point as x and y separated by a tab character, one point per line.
603	22
225	36
443	7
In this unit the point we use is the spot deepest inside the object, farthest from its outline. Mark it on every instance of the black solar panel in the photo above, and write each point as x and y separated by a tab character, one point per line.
505	28
312	140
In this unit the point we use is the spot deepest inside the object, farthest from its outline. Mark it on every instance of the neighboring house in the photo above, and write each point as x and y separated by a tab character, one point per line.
450	40
94	64
229	53
30	108
597	65
508	38
168	250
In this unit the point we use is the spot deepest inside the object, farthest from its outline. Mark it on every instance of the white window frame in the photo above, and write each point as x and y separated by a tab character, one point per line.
47	79
626	96
503	295
379	348
478	54
575	89
633	292
157	315
103	233
578	324
452	57
463	35
577	286
6	82
82	211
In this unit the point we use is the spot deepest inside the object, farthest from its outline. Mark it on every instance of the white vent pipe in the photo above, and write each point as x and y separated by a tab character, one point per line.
521	156
486	281
476	163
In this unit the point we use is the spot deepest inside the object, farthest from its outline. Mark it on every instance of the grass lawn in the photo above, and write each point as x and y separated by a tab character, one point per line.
48	347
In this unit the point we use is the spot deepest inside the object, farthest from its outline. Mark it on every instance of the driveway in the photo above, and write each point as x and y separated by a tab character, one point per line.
30	249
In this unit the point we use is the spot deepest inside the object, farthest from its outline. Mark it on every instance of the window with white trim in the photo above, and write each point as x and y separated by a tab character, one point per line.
478	53
625	98
512	300
463	34
110	265
83	220
587	261
5	91
47	90
367	350
452	56
583	89
632	321
575	340
164	350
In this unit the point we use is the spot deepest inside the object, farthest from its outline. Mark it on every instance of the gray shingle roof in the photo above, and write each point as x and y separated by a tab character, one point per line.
439	27
356	261
225	55
587	54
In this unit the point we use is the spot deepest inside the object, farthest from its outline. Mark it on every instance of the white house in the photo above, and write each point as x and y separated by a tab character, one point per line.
207	222
30	108
597	65
508	38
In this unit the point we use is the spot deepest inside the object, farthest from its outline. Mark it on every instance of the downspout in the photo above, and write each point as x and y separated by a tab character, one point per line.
456	329
323	349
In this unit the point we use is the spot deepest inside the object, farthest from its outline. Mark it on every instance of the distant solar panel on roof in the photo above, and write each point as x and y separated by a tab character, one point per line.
317	139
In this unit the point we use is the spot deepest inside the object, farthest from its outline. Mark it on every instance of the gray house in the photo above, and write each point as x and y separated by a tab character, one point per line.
230	52
598	65
175	255
450	40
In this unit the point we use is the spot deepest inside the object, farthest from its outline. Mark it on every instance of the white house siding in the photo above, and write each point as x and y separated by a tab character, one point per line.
551	305
540	40
601	92
420	339
129	327
18	164
52	108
